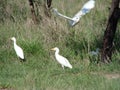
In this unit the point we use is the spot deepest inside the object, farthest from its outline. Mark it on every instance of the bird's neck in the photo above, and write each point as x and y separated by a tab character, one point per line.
57	52
14	43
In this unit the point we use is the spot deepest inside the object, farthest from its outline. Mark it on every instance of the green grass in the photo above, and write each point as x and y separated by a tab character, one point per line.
41	71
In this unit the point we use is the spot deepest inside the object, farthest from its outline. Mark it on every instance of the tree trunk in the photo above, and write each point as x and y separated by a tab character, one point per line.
109	33
49	3
47	6
34	18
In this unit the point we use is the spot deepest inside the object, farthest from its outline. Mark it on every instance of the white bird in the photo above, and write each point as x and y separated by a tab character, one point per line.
62	60
18	49
95	53
85	9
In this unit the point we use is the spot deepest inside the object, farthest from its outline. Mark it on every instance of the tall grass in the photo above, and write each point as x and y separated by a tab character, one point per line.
41	71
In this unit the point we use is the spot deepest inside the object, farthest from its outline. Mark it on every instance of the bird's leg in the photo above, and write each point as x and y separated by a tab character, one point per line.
22	60
63	67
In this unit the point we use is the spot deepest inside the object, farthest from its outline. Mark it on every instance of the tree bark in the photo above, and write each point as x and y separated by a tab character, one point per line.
109	33
34	18
49	3
47	6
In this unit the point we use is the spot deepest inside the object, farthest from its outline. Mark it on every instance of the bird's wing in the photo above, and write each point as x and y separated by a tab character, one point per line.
68	63
19	52
79	14
59	14
62	60
87	7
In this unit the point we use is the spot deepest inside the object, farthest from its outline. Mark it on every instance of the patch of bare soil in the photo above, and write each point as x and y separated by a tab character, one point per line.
107	75
112	75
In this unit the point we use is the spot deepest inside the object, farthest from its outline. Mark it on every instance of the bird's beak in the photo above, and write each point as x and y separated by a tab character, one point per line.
52	49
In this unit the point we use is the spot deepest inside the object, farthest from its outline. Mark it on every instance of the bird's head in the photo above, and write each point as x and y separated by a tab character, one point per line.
55	11
13	39
74	20
55	49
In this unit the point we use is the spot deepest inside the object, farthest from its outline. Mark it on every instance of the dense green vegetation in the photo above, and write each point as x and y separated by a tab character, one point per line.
41	71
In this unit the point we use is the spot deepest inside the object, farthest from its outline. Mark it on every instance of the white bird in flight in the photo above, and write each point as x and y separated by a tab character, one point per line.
85	9
18	49
62	60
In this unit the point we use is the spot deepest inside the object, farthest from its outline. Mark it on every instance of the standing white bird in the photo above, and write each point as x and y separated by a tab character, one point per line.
18	49
85	9
62	60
